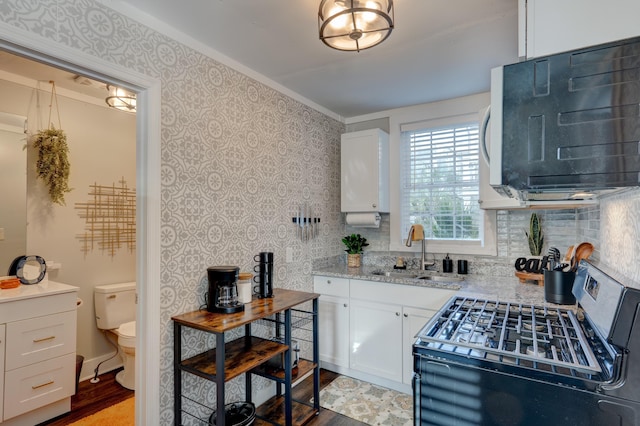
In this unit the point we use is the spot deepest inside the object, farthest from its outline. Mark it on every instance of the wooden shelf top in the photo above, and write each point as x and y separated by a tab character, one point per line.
273	409
241	356
214	322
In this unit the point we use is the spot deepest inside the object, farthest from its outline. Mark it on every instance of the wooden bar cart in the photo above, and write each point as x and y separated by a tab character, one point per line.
250	354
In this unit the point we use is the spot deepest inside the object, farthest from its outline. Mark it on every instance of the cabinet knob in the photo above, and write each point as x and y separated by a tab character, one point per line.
406	315
345	305
374	205
328	281
397	314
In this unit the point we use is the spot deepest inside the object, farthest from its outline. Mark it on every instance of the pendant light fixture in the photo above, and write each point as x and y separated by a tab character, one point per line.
121	99
354	25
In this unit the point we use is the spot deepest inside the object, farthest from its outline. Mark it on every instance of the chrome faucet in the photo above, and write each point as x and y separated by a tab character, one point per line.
417	233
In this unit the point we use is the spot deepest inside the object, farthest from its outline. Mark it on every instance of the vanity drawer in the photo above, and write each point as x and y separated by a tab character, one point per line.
331	286
37	385
38	339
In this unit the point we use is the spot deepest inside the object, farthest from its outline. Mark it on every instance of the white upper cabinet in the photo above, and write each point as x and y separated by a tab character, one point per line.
365	171
547	27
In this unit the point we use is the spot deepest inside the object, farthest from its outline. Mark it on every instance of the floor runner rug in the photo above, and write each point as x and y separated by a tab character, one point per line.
121	414
367	402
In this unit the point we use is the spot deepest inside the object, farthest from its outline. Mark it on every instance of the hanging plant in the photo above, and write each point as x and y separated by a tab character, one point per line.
53	155
53	163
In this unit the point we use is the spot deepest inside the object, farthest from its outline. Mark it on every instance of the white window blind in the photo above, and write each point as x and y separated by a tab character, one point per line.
439	177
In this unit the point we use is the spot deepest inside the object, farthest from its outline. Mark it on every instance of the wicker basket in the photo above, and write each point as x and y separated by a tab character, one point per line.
353	260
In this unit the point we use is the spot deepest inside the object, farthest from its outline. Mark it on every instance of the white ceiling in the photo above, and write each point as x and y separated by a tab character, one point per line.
439	49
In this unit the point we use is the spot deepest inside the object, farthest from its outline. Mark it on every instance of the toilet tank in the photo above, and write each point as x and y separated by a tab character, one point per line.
115	304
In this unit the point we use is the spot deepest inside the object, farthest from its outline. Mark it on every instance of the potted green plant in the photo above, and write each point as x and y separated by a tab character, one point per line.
355	244
535	235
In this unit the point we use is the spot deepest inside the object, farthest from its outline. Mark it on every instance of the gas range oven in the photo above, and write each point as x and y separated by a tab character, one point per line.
491	362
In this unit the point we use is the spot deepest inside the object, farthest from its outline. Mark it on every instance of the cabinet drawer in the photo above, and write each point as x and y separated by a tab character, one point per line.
38	339
406	295
331	286
37	385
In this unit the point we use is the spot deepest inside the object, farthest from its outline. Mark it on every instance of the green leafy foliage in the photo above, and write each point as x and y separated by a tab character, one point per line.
355	243
53	163
535	235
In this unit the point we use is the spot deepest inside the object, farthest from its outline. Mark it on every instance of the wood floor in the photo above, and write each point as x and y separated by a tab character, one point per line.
92	398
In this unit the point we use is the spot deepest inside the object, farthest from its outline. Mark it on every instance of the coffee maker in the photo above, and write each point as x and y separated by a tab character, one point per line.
223	289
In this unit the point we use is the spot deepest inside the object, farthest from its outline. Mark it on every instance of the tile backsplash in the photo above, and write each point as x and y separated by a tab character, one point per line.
561	228
612	226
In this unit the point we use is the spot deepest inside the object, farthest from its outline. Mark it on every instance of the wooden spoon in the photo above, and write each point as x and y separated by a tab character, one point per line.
568	255
583	251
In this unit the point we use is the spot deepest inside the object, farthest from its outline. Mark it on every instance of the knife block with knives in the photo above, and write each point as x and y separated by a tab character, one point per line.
307	225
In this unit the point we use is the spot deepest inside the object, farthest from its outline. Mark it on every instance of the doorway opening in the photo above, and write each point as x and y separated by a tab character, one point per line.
147	184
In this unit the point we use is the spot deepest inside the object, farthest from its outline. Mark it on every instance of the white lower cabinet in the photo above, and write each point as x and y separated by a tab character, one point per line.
367	328
333	327
376	339
413	319
333	342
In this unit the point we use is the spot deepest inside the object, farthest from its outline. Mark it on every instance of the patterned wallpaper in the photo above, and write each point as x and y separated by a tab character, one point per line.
238	159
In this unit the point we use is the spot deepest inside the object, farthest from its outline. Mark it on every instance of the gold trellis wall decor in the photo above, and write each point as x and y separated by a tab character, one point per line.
110	218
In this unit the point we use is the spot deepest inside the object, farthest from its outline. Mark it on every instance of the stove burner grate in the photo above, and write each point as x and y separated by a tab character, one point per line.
535	336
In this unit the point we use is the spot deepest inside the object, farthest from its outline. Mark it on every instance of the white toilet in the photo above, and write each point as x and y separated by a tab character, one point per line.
116	312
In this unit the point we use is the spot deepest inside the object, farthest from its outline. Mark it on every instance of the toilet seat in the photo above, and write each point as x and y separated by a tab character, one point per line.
127	334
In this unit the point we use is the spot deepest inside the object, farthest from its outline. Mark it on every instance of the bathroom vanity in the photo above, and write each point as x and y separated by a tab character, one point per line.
38	346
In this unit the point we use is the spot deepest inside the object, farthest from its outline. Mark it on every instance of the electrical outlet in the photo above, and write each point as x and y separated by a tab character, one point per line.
289	254
1	234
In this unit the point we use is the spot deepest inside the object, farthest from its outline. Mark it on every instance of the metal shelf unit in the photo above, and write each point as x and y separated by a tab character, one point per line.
249	354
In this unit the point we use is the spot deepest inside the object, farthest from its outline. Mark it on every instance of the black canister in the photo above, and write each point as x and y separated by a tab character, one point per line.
447	264
236	414
264	279
463	267
558	287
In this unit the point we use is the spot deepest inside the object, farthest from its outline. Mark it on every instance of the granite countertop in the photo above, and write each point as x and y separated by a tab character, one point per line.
508	289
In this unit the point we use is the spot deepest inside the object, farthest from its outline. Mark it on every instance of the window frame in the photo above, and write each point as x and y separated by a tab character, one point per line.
448	125
452	109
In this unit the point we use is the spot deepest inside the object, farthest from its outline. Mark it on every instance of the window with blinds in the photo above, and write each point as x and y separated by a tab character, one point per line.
440	181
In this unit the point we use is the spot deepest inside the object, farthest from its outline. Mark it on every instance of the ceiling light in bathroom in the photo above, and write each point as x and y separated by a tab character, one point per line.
121	99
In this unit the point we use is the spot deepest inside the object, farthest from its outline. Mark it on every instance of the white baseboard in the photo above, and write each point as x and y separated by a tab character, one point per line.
89	365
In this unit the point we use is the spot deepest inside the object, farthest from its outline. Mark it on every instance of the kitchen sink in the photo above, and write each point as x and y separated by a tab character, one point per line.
445	278
426	276
395	274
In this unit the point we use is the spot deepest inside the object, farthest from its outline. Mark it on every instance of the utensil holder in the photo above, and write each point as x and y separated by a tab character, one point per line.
558	286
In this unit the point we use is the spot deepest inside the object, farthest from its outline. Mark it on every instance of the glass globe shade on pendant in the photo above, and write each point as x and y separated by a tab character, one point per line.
354	25
121	99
